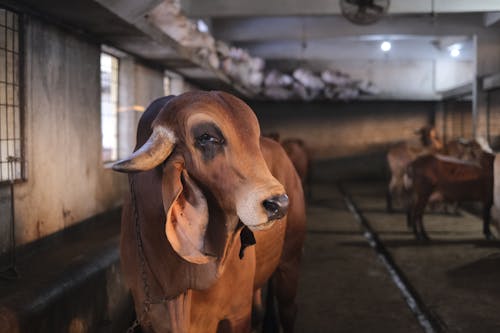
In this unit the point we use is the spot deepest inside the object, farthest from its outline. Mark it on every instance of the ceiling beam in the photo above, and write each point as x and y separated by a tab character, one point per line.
298	28
356	50
491	18
239	8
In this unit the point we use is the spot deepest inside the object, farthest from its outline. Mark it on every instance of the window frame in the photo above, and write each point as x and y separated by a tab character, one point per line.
21	137
104	51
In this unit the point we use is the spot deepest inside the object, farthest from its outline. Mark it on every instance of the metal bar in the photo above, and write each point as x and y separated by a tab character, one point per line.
457	92
488	115
11	103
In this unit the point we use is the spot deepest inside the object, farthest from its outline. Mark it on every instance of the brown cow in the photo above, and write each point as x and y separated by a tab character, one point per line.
207	187
454	180
467	150
401	154
298	154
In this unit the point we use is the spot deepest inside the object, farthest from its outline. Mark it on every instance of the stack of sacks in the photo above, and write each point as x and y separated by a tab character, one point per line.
304	84
248	71
278	86
168	17
308	86
240	66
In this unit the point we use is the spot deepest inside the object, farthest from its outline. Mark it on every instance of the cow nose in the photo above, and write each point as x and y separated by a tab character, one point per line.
276	206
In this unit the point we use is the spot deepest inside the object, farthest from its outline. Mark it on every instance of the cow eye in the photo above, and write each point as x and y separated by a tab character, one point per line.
206	139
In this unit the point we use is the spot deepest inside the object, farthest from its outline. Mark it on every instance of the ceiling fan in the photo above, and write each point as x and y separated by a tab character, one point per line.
364	12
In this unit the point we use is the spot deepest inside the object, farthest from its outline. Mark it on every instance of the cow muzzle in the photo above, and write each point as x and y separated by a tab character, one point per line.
261	206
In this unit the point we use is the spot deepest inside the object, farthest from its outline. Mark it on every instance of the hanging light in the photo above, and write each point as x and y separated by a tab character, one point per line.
455	53
385	46
455	50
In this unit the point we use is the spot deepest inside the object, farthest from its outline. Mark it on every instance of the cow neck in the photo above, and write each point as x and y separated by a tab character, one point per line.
164	276
148	301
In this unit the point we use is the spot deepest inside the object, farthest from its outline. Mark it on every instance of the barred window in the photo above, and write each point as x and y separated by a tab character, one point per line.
109	107
10	109
457	118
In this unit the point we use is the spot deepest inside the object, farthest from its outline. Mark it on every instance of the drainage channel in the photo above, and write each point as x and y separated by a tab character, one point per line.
423	315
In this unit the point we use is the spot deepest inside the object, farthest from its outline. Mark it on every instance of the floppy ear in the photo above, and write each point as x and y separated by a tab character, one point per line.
187	214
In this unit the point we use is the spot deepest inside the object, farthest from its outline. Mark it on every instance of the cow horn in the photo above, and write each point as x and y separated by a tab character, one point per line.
158	147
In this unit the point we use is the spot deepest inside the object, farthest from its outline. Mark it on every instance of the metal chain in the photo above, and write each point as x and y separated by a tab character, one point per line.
140	249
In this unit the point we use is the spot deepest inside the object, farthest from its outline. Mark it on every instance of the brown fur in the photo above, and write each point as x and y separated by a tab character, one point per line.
455	181
467	150
217	295
401	154
299	155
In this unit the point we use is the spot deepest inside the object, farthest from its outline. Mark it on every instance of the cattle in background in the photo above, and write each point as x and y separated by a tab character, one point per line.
401	154
297	152
273	135
204	187
463	149
299	155
453	180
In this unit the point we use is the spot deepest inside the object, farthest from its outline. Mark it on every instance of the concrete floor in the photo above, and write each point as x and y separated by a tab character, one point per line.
344	287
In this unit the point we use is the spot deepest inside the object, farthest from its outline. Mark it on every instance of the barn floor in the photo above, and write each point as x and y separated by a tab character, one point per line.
345	287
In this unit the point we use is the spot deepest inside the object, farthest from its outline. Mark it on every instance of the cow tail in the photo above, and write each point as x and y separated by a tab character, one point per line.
270	324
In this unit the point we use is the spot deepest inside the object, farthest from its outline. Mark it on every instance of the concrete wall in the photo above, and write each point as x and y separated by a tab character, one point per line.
350	137
454	119
396	78
66	179
139	86
452	73
333	130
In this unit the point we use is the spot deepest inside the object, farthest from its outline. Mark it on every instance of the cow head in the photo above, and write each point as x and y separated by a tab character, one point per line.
208	148
429	137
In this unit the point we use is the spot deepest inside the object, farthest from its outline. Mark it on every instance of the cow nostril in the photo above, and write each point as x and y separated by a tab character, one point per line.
276	206
271	206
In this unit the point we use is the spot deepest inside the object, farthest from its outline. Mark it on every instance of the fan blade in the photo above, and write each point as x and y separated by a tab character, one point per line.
377	8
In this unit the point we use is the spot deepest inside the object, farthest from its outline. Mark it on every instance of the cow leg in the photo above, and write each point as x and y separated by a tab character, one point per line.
285	282
257	309
270	323
410	215
422	233
410	220
412	223
486	221
388	202
417	218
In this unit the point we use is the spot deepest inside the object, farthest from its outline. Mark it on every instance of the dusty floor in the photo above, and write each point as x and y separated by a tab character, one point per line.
344	287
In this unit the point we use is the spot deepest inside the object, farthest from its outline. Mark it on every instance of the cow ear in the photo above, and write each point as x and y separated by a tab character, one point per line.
186	213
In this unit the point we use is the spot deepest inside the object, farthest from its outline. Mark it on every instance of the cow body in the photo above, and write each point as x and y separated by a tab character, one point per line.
467	150
298	154
211	287
398	157
402	154
455	180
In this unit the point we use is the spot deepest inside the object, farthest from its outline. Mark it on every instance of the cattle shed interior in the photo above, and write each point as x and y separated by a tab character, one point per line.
346	82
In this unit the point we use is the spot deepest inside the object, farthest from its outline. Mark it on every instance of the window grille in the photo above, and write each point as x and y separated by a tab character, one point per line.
11	167
109	107
457	118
